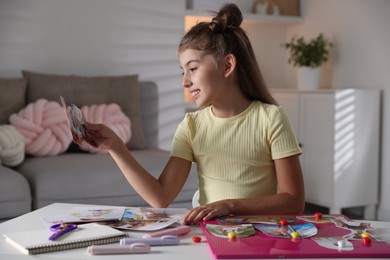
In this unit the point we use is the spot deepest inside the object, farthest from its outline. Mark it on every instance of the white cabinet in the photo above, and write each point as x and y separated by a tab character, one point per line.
339	132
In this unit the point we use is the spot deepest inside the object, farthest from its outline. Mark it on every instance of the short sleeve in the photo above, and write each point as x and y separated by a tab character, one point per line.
182	144
282	139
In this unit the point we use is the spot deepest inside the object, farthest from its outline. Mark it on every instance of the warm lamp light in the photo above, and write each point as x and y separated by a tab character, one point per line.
187	97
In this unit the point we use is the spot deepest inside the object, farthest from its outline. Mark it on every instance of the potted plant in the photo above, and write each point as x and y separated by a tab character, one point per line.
308	57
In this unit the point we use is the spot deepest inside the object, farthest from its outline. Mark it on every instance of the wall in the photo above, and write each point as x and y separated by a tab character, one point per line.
96	37
92	37
266	39
360	59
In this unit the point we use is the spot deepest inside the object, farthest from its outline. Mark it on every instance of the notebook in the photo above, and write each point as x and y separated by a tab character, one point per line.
37	241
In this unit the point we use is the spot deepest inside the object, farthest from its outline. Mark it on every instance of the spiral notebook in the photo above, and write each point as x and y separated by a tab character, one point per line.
37	241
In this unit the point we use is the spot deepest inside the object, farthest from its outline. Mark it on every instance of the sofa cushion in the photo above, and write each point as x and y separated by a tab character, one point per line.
15	193
93	178
44	127
11	146
112	116
80	90
12	98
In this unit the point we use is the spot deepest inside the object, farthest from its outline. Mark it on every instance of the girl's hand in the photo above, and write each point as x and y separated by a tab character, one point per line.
103	136
206	212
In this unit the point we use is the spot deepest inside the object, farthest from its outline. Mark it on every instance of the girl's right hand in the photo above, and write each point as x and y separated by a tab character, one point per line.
104	137
206	212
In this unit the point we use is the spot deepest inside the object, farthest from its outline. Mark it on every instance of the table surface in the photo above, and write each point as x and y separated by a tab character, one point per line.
186	250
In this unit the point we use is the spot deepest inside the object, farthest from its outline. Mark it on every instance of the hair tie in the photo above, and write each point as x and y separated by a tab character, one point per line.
215	27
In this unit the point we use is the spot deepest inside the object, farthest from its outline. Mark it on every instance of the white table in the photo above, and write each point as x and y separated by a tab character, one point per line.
186	250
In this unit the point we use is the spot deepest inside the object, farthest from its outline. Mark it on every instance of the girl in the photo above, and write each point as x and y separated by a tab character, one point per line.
246	153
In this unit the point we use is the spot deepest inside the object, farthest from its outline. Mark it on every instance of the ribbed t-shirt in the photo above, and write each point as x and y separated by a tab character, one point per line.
234	156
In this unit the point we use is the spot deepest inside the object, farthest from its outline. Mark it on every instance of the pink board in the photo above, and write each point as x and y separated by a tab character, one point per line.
264	246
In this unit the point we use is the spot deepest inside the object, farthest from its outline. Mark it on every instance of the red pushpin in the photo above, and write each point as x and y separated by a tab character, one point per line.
196	239
318	216
283	222
366	241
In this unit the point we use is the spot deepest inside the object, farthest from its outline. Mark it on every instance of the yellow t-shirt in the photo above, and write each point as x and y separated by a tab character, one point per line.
234	156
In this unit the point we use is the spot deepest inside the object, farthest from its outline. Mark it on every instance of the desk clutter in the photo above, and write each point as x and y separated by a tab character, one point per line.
292	236
104	231
99	227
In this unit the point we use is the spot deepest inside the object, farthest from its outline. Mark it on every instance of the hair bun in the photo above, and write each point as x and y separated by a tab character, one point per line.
228	16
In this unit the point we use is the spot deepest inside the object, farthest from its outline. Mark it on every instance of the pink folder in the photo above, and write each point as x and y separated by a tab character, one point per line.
264	246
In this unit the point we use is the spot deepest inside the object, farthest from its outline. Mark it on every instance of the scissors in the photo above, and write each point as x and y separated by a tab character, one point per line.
60	229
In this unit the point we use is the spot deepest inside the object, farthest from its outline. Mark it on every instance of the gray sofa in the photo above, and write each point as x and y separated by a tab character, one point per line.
76	176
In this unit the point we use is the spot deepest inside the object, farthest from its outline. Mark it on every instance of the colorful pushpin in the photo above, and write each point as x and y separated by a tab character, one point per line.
318	216
196	239
366	234
232	235
283	222
366	241
295	234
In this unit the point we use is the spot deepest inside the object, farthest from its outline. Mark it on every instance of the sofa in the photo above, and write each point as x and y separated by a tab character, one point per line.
77	176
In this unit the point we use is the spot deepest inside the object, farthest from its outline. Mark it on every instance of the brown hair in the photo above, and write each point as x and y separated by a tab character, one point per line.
222	36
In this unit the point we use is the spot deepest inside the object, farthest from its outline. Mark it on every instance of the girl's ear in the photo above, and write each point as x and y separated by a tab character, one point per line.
230	64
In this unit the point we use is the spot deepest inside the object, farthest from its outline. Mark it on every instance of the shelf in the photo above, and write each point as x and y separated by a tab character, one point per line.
253	18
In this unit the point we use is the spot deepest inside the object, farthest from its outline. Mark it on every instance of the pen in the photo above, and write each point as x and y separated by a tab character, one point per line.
152	241
181	230
137	248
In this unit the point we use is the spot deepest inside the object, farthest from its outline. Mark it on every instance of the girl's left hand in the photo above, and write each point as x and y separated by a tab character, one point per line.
206	212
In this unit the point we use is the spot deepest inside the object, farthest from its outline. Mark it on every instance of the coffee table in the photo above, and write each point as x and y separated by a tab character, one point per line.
186	250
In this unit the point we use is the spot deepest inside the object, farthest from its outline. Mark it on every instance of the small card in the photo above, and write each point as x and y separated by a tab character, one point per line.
305	230
148	219
77	123
94	214
242	230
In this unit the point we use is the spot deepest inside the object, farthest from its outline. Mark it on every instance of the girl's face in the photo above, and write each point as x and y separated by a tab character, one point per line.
203	76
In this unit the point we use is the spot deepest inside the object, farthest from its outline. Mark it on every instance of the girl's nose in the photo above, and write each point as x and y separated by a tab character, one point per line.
186	83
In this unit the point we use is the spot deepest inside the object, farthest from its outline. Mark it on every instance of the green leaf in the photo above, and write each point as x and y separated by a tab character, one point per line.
308	54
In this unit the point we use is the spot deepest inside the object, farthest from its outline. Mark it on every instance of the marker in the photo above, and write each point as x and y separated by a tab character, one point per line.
168	240
181	230
137	248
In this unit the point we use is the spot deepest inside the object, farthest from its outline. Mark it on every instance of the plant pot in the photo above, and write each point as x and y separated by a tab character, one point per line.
308	78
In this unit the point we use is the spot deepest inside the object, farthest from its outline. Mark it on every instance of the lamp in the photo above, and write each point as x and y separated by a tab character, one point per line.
187	97
189	102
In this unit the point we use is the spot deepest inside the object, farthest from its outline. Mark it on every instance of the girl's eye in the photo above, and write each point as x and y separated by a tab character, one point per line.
193	69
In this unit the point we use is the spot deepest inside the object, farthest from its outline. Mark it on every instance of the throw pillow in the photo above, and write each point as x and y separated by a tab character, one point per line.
11	146
112	116
44	127
12	97
86	91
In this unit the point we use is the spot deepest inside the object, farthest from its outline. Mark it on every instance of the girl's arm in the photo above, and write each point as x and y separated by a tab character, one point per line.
289	200
159	193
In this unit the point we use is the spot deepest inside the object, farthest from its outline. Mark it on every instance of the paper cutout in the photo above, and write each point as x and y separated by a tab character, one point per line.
305	230
243	230
148	219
